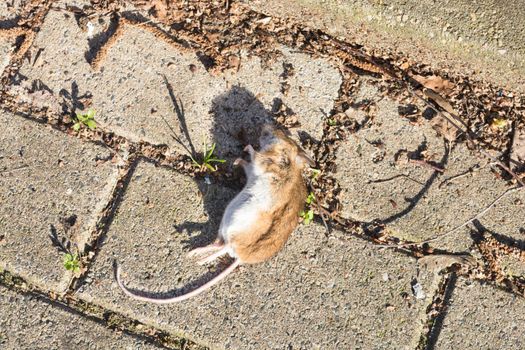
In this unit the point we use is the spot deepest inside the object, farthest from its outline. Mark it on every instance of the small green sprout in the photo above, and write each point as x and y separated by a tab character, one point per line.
308	215
315	173
331	122
310	199
208	159
87	119
71	262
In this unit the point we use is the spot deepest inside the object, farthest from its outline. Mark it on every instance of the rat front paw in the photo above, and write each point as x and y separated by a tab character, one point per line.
239	161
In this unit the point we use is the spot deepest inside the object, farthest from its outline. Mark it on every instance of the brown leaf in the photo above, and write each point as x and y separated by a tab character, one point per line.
264	20
405	65
444	127
435	83
440	101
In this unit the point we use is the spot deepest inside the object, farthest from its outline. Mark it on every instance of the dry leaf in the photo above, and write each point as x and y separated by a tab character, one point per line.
405	65
440	101
444	127
264	20
435	83
234	62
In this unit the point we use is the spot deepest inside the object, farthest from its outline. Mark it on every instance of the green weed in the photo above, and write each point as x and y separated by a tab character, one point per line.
332	122
72	262
315	173
308	214
208	158
84	119
71	257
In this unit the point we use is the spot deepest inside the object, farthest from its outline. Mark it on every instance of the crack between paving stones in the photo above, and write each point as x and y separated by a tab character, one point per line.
104	223
27	32
436	312
96	313
96	239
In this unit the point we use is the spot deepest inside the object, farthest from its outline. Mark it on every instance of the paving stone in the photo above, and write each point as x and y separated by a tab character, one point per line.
131	97
416	203
47	177
483	317
30	323
317	293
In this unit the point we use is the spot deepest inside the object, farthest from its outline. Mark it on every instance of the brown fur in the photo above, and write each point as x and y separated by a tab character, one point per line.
284	162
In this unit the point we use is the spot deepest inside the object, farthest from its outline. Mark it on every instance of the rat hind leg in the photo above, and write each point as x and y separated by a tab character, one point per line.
210	248
225	250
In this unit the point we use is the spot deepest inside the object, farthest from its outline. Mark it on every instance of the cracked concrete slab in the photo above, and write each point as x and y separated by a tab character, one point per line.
481	316
28	322
319	292
47	178
132	99
416	202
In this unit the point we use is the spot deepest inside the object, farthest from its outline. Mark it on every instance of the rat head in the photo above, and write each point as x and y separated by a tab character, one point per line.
277	142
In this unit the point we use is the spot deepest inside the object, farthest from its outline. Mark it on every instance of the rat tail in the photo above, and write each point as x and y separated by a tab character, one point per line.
182	297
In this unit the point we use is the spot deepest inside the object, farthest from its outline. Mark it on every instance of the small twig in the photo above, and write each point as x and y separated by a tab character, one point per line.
427	164
395	177
475	217
503	166
428	104
469	171
333	217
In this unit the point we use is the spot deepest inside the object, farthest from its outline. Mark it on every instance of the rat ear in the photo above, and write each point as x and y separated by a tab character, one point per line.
303	158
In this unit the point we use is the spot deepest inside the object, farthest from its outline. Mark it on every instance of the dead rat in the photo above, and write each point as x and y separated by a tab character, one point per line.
258	221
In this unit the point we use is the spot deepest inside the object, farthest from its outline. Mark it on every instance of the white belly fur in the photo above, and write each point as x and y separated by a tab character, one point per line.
244	210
